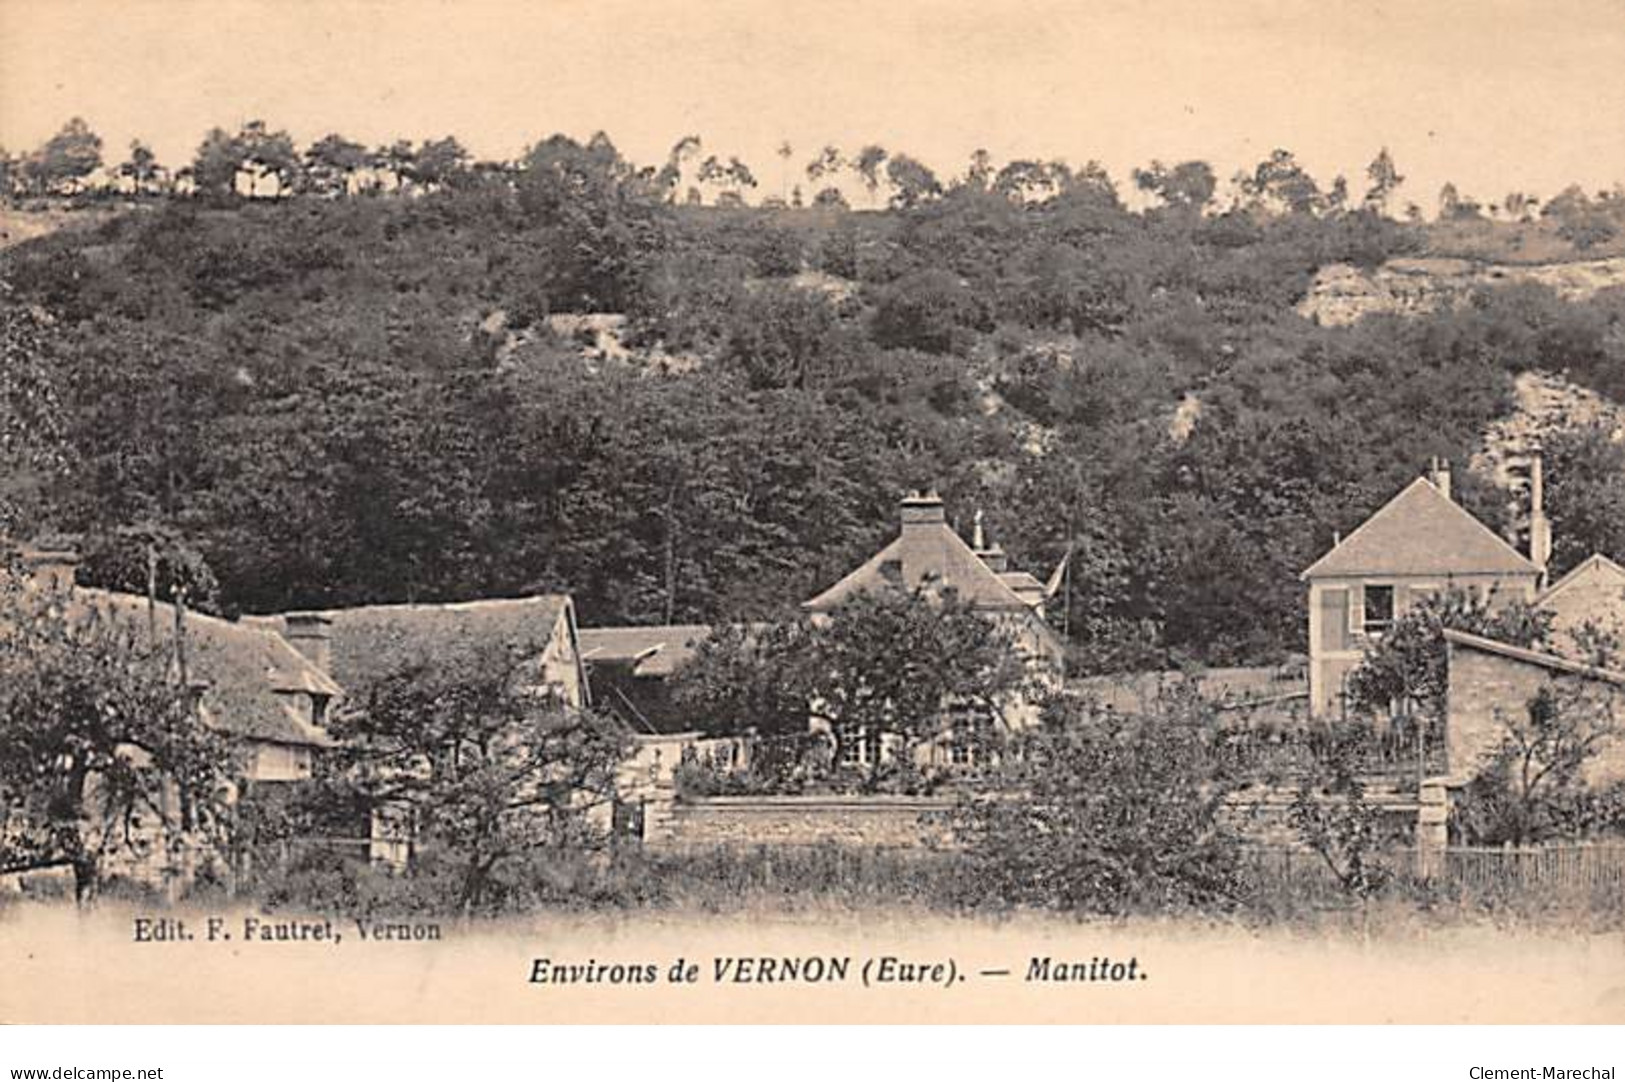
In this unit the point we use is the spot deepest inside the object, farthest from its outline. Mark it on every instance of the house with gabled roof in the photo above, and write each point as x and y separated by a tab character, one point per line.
361	645
249	682
929	556
1591	595
1418	544
357	646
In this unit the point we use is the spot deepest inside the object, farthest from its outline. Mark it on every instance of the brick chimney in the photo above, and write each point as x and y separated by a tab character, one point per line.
922	510
1540	527
311	633
1441	477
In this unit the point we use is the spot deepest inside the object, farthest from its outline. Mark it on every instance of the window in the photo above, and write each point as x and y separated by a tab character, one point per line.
859	746
969	734
1379	609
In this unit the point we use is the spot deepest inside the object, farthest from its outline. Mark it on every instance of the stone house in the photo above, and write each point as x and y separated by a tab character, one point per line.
1489	681
247	681
1591	595
357	646
929	555
1419	544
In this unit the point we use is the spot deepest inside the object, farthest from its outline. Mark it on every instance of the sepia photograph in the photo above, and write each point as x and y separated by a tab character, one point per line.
734	512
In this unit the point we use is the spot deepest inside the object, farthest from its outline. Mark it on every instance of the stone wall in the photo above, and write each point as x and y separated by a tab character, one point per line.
859	821
1487	689
1261	813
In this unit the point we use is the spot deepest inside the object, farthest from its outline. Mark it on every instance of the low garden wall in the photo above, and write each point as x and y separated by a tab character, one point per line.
892	822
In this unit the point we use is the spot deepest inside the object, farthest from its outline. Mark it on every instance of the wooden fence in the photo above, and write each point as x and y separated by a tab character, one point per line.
1566	867
1545	869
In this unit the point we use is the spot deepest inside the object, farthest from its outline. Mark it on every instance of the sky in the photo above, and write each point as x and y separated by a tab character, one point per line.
1493	95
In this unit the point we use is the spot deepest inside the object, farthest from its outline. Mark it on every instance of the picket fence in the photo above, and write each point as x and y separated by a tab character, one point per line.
1578	867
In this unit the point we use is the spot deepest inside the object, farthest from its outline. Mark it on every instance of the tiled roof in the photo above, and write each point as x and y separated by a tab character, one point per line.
374	640
1422	532
927	555
657	650
244	666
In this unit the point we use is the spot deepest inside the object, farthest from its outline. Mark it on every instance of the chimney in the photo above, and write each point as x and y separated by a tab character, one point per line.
1441	477
922	510
1540	528
50	568
992	555
311	633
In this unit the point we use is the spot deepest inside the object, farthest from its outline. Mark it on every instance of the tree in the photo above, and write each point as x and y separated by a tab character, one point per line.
927	311
881	675
269	153
867	165
485	767
1534	787
1585	493
733	177
1385	180
142	168
215	164
149	560
99	732
1188	185
670	176
439	162
10	173
1333	818
1281	181
912	182
830	199
785	152
1455	207
1095	811
331	161
65	160
34	442
979	175
828	163
1409	666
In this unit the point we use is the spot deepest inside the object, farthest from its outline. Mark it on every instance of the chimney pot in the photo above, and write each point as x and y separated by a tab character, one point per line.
922	509
311	633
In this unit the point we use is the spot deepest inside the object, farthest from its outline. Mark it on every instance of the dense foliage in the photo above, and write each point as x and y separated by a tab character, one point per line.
846	699
337	398
101	753
1101	812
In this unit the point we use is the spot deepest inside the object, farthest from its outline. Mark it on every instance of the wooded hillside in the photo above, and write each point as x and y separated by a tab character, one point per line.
327	399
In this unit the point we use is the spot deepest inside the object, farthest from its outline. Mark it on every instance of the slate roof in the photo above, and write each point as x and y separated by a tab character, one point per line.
927	554
372	641
1422	532
243	667
653	651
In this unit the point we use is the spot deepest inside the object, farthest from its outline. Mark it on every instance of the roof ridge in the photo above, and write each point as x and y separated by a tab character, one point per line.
1438	501
1574	573
1533	657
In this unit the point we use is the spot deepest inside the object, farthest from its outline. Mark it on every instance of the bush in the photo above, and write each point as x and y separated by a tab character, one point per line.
1100	812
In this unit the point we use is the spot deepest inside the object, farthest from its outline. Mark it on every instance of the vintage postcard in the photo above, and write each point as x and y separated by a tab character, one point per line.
756	512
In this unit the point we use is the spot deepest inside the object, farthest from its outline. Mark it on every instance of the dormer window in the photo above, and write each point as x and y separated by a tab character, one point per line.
1379	609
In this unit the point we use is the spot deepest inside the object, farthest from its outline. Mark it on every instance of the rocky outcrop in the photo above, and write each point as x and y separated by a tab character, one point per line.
1342	294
